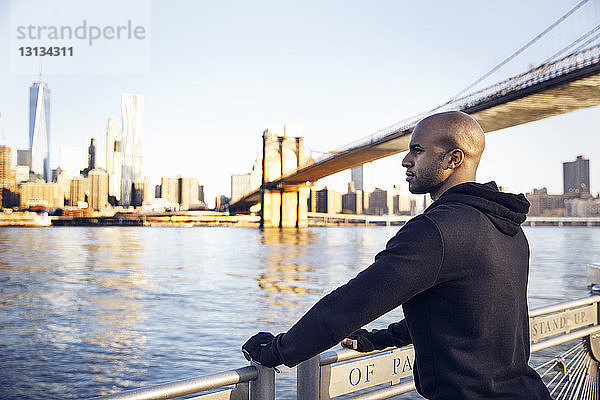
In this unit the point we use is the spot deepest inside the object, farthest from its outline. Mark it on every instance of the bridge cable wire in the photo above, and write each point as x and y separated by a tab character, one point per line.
572	374
518	51
574	43
586	43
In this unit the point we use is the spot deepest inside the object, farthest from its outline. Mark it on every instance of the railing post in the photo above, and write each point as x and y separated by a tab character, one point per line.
308	377
263	387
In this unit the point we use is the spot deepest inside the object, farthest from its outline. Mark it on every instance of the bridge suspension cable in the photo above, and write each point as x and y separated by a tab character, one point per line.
574	43
518	51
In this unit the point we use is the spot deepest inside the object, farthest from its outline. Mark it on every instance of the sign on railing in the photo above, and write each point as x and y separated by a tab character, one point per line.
562	322
363	373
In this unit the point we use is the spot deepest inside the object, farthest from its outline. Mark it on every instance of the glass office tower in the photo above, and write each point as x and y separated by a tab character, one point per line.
39	129
132	110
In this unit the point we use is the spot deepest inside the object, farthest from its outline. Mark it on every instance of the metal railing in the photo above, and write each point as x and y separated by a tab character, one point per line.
388	373
254	381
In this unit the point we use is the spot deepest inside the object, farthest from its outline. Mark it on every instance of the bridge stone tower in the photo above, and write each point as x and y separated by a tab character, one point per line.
282	206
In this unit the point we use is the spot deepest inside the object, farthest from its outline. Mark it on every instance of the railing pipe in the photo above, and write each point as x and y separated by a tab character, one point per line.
263	387
564	338
189	386
308	381
563	306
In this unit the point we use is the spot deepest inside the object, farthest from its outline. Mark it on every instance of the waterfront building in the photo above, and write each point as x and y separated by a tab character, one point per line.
169	189
404	204
8	182
240	186
97	189
381	202
148	192
41	193
588	207
327	201
576	176
113	159
137	193
188	192
181	191
55	172
39	129
22	173
352	201
221	203
362	177
132	110
24	158
91	160
201	193
543	204
64	180
77	191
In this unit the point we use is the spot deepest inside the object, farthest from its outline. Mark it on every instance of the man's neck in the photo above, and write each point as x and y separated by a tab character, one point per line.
437	191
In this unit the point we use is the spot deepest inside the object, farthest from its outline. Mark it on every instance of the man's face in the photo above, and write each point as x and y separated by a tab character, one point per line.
424	163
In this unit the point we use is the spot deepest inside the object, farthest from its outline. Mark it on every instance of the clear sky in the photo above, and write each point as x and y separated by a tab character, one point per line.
216	74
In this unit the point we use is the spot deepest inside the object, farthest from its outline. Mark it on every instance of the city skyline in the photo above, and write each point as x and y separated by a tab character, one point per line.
212	92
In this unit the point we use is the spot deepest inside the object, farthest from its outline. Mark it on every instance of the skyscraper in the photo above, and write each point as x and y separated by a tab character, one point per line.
77	190
7	177
132	110
91	158
188	192
362	177
113	158
97	189
39	129
576	176
240	186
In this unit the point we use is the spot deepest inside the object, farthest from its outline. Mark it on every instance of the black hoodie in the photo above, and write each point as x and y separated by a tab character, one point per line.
460	272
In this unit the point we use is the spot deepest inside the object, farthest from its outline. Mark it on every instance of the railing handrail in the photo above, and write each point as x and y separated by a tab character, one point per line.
188	386
563	306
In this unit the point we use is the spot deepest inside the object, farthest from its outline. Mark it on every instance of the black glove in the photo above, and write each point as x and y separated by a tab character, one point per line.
262	348
364	341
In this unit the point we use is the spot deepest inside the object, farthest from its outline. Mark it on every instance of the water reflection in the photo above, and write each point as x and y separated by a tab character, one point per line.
71	303
87	311
282	274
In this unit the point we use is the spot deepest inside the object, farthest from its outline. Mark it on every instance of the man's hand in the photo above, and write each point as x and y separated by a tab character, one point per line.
361	340
262	349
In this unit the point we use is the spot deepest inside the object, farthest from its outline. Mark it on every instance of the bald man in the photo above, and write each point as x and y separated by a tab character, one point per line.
459	270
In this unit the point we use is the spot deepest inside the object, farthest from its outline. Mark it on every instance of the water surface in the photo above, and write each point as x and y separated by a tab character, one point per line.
92	310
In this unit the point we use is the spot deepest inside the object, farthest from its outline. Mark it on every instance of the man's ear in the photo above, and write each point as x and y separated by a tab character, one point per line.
457	156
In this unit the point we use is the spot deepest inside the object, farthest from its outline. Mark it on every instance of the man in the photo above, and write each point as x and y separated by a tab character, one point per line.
459	270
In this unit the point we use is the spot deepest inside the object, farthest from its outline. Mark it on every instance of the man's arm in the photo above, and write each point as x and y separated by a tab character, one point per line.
409	265
396	335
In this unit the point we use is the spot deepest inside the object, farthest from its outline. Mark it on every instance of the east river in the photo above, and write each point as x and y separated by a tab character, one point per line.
90	311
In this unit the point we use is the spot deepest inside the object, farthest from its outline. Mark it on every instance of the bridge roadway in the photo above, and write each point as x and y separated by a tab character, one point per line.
388	220
566	85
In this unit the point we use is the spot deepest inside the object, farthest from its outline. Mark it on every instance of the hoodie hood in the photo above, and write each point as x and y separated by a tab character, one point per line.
507	211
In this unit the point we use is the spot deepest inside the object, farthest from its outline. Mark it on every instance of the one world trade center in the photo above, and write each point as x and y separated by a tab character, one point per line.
39	129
